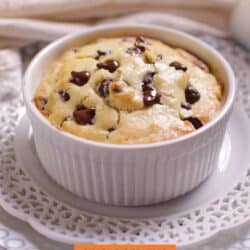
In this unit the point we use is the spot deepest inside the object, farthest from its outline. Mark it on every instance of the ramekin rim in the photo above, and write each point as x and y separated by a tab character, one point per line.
225	109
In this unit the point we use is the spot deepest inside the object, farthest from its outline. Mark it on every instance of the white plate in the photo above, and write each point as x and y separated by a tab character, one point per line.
227	173
218	204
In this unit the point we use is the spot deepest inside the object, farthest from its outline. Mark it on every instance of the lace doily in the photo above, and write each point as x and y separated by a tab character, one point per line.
21	197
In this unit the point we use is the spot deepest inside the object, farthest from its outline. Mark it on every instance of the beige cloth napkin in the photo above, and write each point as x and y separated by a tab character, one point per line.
27	20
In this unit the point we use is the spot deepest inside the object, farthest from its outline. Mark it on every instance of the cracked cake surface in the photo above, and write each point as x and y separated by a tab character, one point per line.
128	90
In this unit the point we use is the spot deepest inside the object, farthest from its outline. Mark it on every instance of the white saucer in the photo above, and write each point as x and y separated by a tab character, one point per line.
232	166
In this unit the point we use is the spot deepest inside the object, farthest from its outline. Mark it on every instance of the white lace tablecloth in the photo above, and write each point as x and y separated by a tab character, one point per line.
15	234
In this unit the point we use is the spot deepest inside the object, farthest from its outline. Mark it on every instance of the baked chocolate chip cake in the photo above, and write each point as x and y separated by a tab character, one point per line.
128	90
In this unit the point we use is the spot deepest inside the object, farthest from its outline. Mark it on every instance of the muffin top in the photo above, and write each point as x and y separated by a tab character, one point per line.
128	90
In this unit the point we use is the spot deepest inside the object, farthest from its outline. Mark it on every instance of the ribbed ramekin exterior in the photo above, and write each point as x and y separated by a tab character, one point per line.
128	177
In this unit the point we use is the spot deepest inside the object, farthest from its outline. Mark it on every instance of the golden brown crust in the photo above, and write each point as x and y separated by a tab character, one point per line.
126	91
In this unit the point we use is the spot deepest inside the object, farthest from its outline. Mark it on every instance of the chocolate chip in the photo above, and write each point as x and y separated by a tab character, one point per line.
195	122
134	51
110	65
80	77
64	95
148	78
178	66
110	130
186	105
140	39
192	95
103	88
101	53
139	48
83	115
150	95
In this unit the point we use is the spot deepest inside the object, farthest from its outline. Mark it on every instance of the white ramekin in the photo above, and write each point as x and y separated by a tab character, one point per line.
129	175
